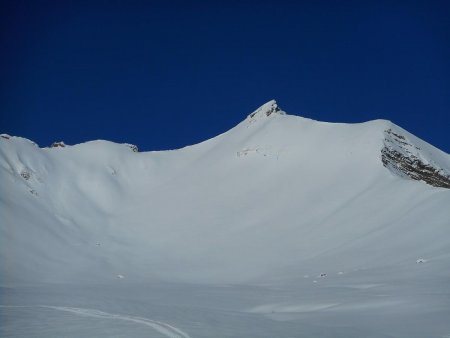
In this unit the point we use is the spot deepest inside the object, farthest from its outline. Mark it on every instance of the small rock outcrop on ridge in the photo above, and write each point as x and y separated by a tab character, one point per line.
59	144
267	109
133	147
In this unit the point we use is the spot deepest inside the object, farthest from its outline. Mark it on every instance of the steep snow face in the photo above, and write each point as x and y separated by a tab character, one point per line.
274	197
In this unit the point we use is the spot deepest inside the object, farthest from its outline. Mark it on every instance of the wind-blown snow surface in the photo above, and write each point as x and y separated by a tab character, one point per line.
281	227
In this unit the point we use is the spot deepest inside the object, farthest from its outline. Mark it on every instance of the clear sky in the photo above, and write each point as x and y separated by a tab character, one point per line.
166	74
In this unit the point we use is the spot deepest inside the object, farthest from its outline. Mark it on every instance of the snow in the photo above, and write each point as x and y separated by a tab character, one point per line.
282	226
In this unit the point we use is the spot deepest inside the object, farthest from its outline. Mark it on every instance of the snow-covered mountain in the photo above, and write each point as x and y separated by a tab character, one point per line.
273	201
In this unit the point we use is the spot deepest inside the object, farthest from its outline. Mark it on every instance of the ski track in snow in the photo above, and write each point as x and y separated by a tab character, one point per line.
163	328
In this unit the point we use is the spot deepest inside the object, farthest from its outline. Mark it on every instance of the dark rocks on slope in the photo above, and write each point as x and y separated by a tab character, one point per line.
406	164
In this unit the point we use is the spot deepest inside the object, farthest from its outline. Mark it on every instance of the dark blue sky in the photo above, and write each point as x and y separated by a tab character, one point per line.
171	73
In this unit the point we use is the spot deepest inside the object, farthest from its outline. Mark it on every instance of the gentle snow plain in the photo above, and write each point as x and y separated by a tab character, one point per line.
281	227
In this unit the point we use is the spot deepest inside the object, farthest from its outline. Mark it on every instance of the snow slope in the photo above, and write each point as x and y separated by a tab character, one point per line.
277	200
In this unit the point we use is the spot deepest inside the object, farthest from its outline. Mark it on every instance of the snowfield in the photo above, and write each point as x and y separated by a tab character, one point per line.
281	227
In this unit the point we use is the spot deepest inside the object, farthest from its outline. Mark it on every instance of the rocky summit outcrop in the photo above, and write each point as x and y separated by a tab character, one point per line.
266	109
59	144
405	159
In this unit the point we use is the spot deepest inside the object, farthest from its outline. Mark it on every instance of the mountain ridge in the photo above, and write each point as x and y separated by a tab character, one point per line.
403	159
264	196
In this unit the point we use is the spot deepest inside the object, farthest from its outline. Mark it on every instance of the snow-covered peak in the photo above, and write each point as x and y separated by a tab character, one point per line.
275	203
266	110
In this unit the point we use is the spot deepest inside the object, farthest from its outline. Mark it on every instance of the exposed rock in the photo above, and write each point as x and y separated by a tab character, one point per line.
59	144
397	155
132	147
25	174
267	109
